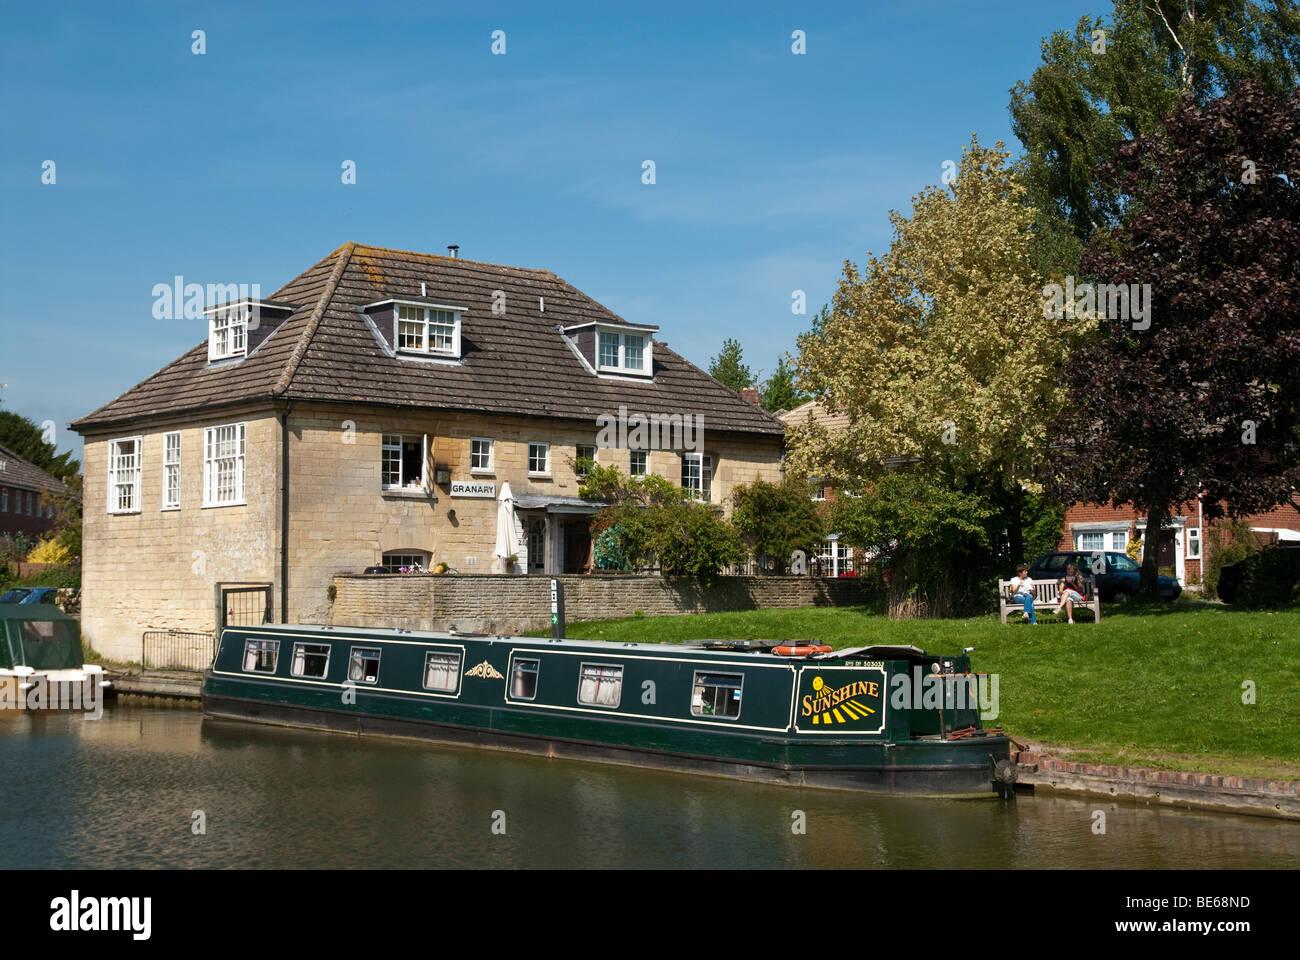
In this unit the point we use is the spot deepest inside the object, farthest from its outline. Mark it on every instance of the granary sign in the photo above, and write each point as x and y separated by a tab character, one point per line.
473	488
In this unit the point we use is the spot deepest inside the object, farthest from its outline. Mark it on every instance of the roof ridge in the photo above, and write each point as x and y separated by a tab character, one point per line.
439	256
304	339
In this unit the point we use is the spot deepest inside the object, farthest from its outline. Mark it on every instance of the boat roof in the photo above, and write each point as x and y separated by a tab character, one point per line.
31	611
730	648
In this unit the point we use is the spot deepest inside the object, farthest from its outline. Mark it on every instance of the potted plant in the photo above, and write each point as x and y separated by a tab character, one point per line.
511	561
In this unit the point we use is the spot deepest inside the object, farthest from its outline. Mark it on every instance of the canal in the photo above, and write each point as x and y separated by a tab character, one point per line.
133	788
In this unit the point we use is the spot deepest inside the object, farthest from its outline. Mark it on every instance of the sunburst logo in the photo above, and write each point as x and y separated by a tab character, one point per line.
486	671
827	705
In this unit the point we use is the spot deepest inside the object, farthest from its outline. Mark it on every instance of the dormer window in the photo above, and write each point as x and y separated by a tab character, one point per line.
228	332
427	330
621	352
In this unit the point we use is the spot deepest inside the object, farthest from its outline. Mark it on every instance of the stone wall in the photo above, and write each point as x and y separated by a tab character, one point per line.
155	568
514	604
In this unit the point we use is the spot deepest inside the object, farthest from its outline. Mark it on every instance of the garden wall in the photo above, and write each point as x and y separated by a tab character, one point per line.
514	604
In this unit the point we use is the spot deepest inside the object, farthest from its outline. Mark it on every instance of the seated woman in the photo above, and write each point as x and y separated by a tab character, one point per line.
1022	590
1071	586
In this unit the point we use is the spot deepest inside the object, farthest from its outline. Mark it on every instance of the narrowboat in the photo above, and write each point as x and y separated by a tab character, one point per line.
41	661
854	718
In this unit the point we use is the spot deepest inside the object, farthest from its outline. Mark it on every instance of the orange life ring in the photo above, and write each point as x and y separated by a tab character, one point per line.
800	651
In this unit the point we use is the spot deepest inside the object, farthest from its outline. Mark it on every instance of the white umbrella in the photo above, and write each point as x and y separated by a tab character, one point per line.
505	524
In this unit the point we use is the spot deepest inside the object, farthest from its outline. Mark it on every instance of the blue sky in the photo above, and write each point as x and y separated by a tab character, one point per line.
771	168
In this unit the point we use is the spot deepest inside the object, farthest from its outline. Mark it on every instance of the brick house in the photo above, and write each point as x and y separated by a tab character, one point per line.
367	414
1183	546
21	486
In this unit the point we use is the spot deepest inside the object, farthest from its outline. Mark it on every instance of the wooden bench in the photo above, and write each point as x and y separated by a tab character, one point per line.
1046	596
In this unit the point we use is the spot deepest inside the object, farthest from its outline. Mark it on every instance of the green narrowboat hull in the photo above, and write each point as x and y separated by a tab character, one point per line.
753	716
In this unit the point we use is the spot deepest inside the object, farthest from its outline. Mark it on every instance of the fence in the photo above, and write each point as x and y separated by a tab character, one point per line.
177	650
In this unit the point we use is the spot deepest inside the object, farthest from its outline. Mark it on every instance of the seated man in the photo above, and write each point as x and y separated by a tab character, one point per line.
1071	591
1022	589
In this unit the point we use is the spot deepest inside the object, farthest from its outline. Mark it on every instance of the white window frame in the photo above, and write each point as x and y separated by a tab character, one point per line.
1193	541
609	674
271	647
491	455
703	492
356	658
578	455
631	463
819	489
647	352
233	323
390	558
402	440
450	662
546	457
697	708
430	315
212	464
115	472
171	471
300	649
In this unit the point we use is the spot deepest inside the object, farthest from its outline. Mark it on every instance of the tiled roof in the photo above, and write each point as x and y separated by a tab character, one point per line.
18	472
514	363
813	410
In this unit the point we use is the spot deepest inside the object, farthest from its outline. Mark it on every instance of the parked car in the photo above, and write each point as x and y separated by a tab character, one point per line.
1117	579
1234	575
29	595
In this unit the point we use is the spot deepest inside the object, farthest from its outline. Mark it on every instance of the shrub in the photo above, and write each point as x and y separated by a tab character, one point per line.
778	518
1230	543
1272	579
49	551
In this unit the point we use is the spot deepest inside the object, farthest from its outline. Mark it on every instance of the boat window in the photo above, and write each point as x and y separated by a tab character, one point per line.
310	659
38	631
716	694
441	671
523	679
364	667
600	685
260	655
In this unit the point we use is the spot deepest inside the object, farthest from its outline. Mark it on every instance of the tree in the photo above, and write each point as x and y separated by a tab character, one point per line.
26	439
649	520
779	390
1115	80
729	368
938	352
933	541
1205	400
776	519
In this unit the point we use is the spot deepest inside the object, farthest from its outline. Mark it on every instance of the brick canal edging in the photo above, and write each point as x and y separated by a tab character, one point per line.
1208	791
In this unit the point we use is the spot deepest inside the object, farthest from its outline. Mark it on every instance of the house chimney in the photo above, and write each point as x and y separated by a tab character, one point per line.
749	395
453	250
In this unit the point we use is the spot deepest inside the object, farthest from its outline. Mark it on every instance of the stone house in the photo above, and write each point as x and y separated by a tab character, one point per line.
21	486
368	413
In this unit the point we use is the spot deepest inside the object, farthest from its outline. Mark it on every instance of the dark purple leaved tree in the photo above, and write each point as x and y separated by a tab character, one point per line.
1206	399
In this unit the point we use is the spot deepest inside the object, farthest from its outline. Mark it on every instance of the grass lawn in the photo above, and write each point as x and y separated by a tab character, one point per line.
1148	686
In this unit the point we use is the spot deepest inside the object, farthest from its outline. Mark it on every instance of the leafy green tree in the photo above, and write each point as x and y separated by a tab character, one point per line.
933	540
776	519
1115	79
26	439
924	370
649	520
729	366
779	391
